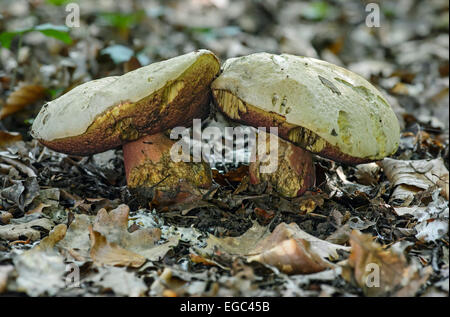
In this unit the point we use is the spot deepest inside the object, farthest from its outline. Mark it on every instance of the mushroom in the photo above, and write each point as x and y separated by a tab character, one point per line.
316	106
135	110
294	172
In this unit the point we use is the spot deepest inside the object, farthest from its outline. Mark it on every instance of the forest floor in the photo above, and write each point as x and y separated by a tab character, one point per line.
69	226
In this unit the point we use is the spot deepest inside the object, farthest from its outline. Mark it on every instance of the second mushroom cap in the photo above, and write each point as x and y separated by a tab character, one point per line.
318	106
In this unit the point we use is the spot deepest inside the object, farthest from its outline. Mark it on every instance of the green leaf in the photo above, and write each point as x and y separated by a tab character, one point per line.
58	2
55	92
317	11
7	37
122	21
59	32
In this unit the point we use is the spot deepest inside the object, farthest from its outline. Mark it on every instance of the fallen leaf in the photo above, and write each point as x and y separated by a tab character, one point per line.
411	177
291	257
41	269
294	251
381	272
56	235
264	215
443	184
37	209
367	174
241	245
5	217
235	175
110	253
76	240
5	273
287	247
167	282
24	96
341	235
432	220
13	232
199	259
22	193
113	226
121	282
7	138
20	166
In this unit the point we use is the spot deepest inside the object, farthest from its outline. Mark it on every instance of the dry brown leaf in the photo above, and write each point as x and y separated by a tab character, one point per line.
37	209
5	217
199	259
76	240
292	257
7	138
367	174
57	234
110	253
381	272
113	226
294	251
241	245
265	216
309	201
288	247
24	96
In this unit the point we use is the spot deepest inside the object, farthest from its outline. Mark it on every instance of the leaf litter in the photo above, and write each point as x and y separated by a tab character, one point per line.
60	212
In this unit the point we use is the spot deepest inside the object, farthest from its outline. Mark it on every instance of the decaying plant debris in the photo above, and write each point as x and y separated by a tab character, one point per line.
60	214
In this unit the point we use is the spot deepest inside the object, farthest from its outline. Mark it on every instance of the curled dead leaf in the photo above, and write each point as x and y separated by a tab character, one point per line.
57	234
288	248
24	96
294	251
381	272
114	242
7	138
110	253
411	177
292	256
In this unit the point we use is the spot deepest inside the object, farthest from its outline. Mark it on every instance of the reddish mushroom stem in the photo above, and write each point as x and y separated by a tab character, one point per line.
148	164
294	172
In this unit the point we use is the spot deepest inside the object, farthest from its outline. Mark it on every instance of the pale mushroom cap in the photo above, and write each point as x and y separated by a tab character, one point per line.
339	106
108	112
73	113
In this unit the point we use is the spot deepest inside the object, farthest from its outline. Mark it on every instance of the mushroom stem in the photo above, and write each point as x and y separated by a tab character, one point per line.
148	164
294	171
